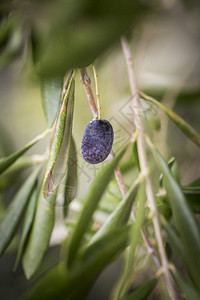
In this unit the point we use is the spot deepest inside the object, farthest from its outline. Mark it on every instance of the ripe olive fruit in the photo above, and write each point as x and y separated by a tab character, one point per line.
97	141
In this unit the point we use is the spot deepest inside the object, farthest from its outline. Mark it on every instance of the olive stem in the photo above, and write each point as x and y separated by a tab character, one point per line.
144	166
97	91
86	82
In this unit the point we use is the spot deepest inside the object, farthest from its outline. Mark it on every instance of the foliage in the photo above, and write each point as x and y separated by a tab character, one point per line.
72	35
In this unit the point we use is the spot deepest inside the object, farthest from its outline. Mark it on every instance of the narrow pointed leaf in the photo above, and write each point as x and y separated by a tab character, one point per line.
192	194
98	256
121	214
39	237
59	152
174	240
6	162
188	290
186	128
184	219
71	180
13	46
94	196
9	223
135	234
13	172
51	90
193	187
135	155
28	220
143	291
62	284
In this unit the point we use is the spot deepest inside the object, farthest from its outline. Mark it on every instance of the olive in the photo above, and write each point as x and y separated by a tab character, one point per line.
97	141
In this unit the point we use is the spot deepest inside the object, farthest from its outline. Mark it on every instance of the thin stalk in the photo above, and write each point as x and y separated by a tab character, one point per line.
86	82
144	166
97	91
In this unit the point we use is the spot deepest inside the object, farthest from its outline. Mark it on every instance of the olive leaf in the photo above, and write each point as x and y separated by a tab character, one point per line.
143	291
59	282
135	155
174	240
192	194
40	234
121	214
13	172
28	220
10	222
71	180
188	290
75	37
59	152
114	190
184	219
92	199
6	162
186	128
51	90
5	30
14	44
135	234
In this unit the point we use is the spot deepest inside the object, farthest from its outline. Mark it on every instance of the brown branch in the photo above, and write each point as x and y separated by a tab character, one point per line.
86	82
144	166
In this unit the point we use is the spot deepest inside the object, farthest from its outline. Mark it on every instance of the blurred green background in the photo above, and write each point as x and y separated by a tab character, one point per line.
165	44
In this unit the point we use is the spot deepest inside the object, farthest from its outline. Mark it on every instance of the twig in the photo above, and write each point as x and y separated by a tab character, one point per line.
97	91
86	82
144	166
118	175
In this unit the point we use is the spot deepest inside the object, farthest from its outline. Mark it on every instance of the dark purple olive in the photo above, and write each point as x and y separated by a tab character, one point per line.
97	141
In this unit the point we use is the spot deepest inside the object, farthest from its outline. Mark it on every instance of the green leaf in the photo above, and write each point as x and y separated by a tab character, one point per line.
193	200
13	46
121	214
172	164
39	237
143	291
187	129
193	187
190	292
135	234
97	257
78	32
114	190
184	219
71	180
192	194
6	162
60	283
59	152
6	141
174	240
94	196
9	223
51	90
5	30
28	220
13	172
151	117
194	183
135	155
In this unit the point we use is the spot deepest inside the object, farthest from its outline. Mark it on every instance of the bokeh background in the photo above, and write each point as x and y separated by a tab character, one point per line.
166	51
